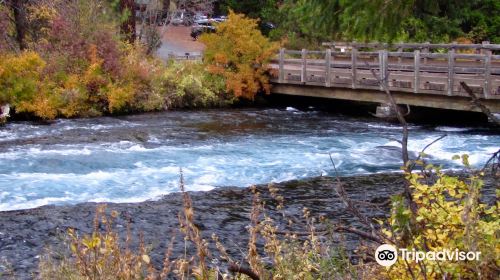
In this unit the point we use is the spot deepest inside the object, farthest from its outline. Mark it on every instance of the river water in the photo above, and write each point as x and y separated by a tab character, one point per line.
138	157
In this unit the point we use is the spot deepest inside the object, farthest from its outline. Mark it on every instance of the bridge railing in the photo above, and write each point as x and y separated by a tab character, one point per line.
413	72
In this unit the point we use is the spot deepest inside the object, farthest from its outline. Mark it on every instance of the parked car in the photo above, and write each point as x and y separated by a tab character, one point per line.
219	18
182	17
200	18
266	27
200	28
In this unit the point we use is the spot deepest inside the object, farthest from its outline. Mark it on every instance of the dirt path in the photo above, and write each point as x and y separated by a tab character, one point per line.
177	40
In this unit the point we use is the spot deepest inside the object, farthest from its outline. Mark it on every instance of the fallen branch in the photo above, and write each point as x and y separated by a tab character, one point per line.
491	161
235	268
479	104
360	233
337	228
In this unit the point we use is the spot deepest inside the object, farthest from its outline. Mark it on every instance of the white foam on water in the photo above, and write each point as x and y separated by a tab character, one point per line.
126	171
451	129
7	135
27	204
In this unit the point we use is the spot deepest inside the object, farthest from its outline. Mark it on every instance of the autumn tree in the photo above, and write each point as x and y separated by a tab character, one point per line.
127	8
18	8
240	53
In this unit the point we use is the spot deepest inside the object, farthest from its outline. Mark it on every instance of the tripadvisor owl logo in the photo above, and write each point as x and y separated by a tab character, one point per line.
386	255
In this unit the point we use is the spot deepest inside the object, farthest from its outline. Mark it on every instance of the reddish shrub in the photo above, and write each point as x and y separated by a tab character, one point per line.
107	50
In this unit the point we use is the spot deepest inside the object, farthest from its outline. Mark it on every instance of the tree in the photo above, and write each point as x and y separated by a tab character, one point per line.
203	6
127	8
240	53
415	20
18	8
166	7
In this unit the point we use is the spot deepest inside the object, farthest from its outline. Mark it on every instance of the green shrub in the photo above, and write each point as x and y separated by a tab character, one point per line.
189	85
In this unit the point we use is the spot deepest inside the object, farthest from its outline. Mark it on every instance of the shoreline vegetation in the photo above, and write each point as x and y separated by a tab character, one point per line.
79	65
317	238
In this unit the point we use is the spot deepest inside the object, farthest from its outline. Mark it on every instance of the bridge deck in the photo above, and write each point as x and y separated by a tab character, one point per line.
417	74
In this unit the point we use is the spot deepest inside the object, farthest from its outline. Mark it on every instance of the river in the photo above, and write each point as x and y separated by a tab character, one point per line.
138	157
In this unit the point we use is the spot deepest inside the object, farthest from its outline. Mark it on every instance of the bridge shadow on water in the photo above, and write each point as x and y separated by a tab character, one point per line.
418	115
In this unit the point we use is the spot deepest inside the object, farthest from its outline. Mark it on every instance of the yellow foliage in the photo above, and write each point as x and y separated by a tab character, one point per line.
42	105
99	255
449	216
119	97
73	97
239	53
39	16
19	76
21	85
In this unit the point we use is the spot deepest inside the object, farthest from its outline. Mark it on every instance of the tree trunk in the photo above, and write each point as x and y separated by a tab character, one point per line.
128	26
19	11
166	7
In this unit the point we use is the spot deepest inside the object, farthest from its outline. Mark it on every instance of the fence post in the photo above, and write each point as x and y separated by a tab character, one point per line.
328	65
451	70
303	73
426	50
416	69
384	69
483	49
354	54
381	67
487	74
281	71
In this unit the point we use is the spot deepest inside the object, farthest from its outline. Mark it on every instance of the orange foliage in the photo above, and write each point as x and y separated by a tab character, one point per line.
239	53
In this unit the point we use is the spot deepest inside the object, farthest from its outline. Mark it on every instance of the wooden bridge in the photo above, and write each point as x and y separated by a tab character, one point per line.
426	75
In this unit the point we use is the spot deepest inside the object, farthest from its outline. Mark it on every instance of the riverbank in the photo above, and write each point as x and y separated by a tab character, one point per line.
26	234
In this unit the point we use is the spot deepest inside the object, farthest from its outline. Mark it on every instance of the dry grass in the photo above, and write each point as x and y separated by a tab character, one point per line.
308	255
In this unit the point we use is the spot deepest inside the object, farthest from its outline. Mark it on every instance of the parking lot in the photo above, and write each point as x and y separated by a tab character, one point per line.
177	41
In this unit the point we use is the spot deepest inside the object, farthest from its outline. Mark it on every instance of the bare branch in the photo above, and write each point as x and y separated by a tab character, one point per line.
404	141
480	105
425	148
341	192
491	161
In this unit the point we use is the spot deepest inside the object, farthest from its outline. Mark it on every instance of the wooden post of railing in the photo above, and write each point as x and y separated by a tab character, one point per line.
487	70
303	74
328	67
400	58
451	70
385	75
281	73
425	50
483	49
381	67
354	56
416	69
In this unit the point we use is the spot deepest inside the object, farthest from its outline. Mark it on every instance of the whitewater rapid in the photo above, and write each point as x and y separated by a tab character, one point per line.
136	158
